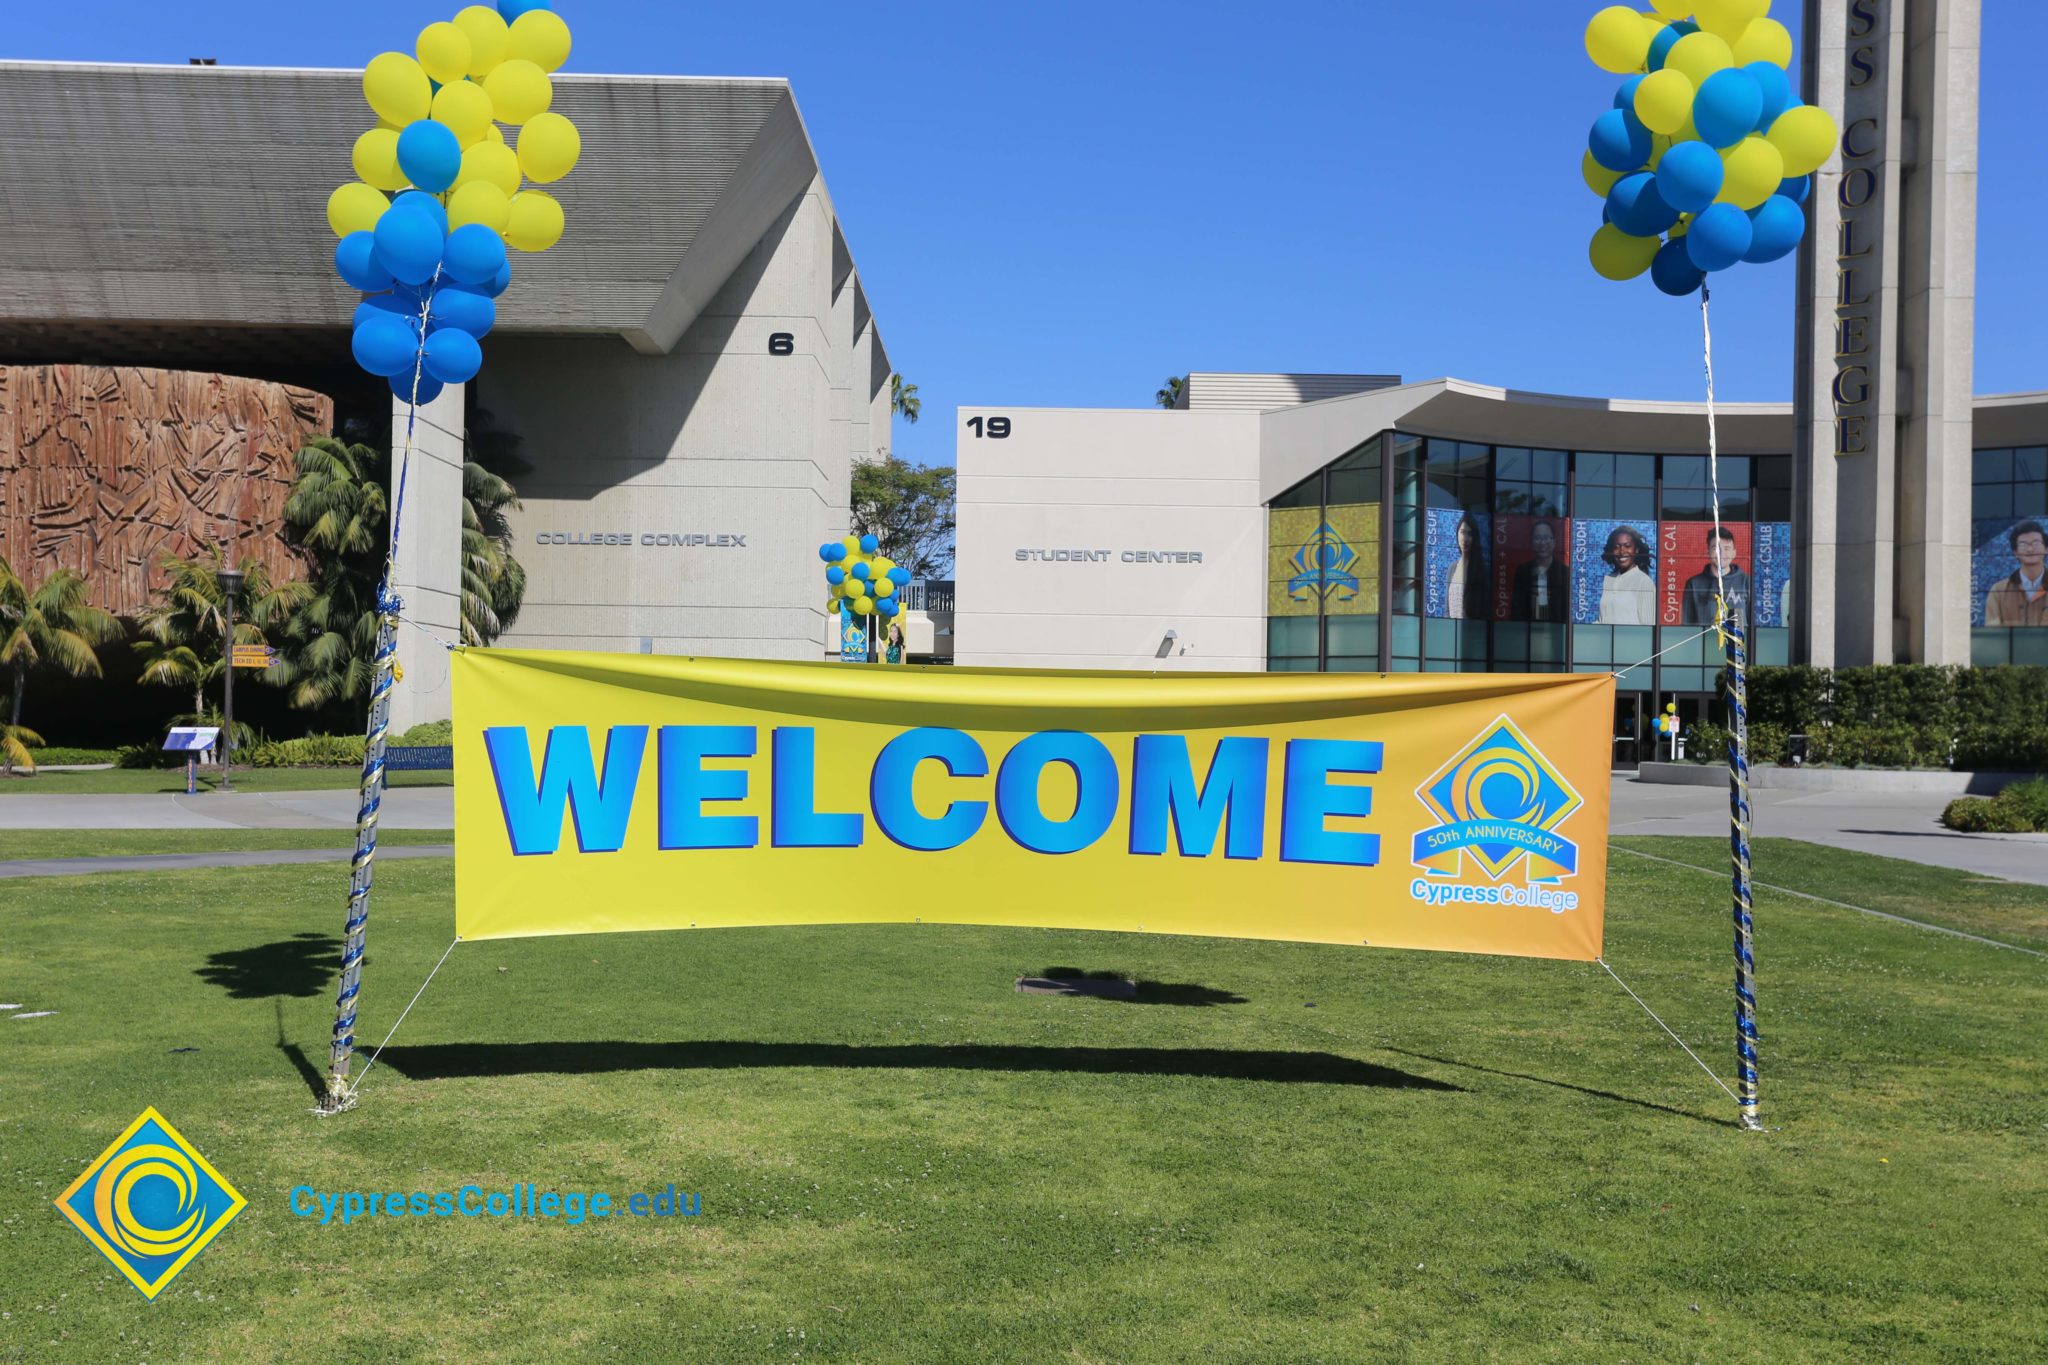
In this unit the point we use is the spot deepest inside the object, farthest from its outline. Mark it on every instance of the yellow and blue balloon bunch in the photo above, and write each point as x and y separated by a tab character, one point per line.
860	578
1707	157
432	259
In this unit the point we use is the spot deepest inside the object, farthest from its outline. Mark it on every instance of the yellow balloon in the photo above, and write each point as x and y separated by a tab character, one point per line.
863	606
852	544
444	52
1806	137
1699	55
1753	170
1671	10
1726	19
463	109
1664	100
1618	256
541	37
535	222
479	202
1598	178
496	134
518	90
355	207
885	588
1765	40
549	144
396	87
376	159
1616	39
490	163
488	38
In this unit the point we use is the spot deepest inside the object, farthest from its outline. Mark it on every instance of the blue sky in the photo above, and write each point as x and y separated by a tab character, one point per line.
1059	204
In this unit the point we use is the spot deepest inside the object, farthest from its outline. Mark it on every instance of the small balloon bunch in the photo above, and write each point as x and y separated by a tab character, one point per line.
432	260
1706	157
860	578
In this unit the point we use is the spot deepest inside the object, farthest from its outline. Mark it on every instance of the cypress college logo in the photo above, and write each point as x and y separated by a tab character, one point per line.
150	1203
1498	804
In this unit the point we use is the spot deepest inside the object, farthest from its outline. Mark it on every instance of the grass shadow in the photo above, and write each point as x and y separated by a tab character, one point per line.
446	1061
302	965
1152	992
1566	1085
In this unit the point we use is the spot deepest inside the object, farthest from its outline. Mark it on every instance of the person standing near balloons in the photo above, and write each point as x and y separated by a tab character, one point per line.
892	653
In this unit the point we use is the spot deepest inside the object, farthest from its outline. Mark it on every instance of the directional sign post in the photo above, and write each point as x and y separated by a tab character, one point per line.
253	656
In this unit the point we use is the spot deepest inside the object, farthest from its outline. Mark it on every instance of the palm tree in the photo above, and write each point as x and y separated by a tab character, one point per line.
339	514
493	582
181	644
903	399
1169	393
52	625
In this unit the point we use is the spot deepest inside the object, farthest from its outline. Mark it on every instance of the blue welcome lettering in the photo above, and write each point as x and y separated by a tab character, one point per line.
568	776
1163	787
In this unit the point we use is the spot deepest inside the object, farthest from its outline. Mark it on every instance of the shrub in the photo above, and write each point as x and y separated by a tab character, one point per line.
313	751
58	753
2021	808
1795	698
147	756
429	732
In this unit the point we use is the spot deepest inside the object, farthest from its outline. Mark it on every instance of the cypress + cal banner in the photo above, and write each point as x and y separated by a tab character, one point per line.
598	793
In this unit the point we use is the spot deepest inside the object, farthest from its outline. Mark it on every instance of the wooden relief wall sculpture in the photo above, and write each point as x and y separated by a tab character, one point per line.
104	470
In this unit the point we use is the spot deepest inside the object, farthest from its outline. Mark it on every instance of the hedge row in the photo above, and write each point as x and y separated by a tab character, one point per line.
311	751
1895	716
2021	808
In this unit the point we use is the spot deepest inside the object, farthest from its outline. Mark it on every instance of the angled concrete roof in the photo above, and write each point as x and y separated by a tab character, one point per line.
188	196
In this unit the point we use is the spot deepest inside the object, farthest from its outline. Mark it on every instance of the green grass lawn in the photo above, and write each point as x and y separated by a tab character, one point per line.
1279	1152
98	843
105	781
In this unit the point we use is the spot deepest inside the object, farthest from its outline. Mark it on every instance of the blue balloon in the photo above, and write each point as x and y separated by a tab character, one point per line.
837	549
1776	88
1619	141
429	154
870	543
501	281
453	357
512	9
899	575
384	345
464	308
886	605
474	254
861	571
1797	189
1777	225
1666	39
1636	208
835	575
825	552
1727	107
420	202
1672	271
408	245
388	305
1689	176
403	388
1718	237
1625	98
355	260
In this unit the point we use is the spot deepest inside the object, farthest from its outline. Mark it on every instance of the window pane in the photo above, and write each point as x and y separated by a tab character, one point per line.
1357	485
1353	635
1990	648
1773	471
1595	502
1774	504
1735	502
1595	468
1633	643
1511	640
1593	645
1546	644
2030	463
2030	646
1773	646
1549	466
1407	635
1307	493
1635	504
1353	663
1637	470
1683	504
2029	500
1734	471
1291	636
1685	471
1291	665
1991	500
1546	500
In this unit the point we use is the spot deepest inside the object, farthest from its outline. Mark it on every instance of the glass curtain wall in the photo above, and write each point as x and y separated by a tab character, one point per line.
1520	559
2008	593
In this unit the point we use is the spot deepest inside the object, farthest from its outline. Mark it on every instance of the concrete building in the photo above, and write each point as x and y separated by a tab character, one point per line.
681	386
1396	528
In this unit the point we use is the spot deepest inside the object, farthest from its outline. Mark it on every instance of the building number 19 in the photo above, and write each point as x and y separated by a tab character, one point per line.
998	428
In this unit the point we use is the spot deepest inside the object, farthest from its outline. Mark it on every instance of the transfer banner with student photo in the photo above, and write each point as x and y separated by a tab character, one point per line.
604	792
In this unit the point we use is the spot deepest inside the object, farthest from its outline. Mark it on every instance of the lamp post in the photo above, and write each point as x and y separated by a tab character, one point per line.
230	589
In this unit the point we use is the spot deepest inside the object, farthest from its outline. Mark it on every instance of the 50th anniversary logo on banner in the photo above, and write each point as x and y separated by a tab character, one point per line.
600	793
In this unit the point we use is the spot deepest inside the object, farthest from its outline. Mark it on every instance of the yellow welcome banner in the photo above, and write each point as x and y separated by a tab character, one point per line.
600	792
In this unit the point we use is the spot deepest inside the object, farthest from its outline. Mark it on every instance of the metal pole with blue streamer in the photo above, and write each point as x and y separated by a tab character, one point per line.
1738	852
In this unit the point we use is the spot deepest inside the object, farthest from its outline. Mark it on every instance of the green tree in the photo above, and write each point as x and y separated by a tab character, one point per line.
48	626
181	644
903	399
493	582
910	509
339	514
1169	393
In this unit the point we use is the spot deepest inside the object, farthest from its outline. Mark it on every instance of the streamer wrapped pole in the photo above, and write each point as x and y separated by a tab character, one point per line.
1738	851
362	865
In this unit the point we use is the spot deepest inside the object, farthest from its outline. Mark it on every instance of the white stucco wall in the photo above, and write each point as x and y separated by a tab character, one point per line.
1114	485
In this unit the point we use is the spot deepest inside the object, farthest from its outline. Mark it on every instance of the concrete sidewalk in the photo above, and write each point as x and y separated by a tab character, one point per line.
1890	824
180	862
403	808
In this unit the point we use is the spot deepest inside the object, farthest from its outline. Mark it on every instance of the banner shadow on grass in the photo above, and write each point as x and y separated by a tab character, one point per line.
446	1061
